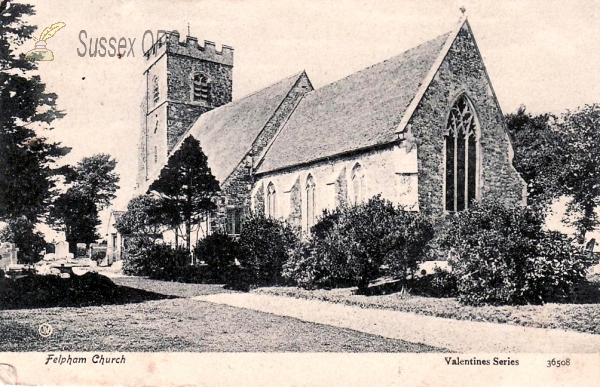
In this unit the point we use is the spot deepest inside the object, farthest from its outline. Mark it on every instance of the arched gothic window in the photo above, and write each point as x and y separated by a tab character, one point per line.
358	184
310	202
461	152
155	91
200	88
271	201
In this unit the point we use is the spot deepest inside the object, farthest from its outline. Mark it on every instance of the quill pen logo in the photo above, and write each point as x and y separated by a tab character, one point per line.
40	52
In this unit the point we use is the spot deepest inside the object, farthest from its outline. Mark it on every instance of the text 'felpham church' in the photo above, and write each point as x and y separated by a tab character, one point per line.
423	129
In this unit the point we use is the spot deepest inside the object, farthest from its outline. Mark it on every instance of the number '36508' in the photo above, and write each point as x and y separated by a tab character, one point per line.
559	363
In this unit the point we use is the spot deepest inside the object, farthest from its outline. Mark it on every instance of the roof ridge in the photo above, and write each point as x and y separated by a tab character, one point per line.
378	63
422	58
296	75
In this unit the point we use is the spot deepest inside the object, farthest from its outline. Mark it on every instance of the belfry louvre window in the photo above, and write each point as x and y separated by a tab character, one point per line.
200	88
271	201
461	152
155	91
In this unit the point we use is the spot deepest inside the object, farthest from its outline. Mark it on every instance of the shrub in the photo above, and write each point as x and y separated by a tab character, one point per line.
167	263
219	252
159	261
98	255
312	266
135	253
350	244
501	255
265	245
441	283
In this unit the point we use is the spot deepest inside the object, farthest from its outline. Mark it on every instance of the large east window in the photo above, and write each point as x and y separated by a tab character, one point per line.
461	154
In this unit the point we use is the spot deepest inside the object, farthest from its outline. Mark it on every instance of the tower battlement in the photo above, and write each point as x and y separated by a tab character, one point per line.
170	42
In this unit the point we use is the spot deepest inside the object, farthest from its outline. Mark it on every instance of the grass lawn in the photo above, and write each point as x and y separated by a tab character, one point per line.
580	317
178	325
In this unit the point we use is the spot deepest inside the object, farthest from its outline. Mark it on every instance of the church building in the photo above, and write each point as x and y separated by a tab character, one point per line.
423	129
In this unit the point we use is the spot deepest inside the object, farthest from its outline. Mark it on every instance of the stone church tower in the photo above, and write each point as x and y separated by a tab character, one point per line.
183	81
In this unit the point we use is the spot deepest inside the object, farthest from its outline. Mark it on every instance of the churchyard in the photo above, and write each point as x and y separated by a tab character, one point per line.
178	325
169	319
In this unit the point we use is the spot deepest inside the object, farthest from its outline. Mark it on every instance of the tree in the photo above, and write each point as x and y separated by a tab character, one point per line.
75	214
27	176
536	157
187	185
93	183
22	233
560	157
145	217
580	175
95	177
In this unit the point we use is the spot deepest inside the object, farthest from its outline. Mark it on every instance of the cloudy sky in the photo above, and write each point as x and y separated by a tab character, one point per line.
544	54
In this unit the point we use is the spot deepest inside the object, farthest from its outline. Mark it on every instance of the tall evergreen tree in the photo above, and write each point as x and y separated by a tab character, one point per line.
26	110
95	177
75	214
93	184
187	184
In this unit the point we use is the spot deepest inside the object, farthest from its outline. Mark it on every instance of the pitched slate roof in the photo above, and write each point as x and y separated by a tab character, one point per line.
359	111
227	132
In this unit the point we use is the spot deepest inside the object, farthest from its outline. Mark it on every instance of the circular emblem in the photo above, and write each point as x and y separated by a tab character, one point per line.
45	330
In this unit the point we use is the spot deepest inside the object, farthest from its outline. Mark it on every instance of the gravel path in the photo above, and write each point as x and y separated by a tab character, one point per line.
456	335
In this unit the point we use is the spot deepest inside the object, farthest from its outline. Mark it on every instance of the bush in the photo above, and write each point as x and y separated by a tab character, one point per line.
441	283
167	263
98	255
46	291
219	252
349	245
159	261
135	253
265	245
501	255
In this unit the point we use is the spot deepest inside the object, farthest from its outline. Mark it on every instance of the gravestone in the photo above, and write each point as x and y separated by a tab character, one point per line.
8	254
81	250
61	250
